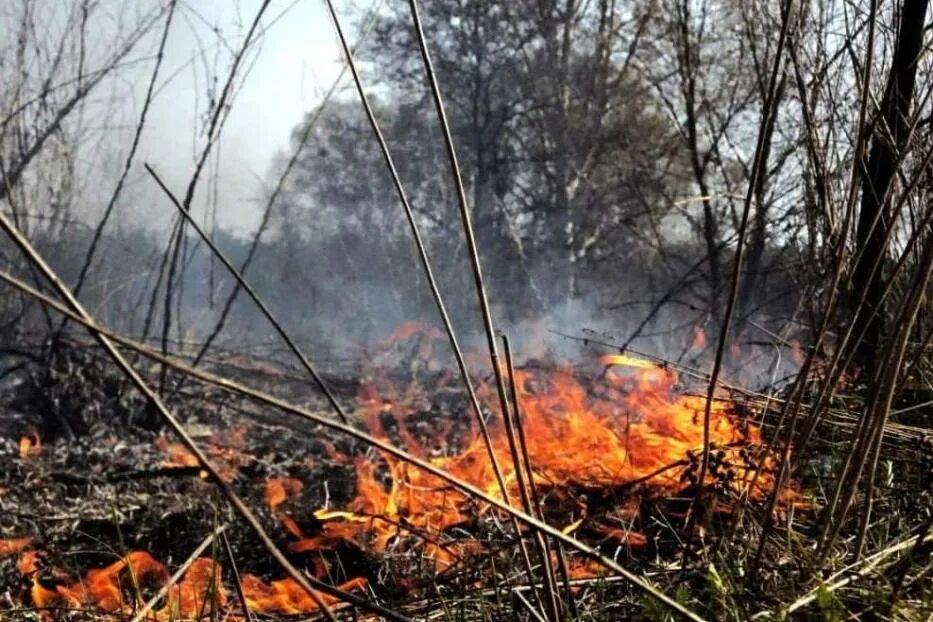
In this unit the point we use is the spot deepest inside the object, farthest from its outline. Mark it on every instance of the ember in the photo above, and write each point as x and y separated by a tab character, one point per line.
225	449
699	338
13	546
30	445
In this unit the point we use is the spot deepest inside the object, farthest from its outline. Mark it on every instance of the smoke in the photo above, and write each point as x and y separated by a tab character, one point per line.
339	267
282	75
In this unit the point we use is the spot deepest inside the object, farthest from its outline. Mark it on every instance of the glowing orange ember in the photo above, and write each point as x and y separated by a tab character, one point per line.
13	546
177	454
28	563
699	338
278	489
224	449
30	445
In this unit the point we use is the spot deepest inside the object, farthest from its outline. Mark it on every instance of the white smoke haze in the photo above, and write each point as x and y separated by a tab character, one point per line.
286	71
337	264
703	229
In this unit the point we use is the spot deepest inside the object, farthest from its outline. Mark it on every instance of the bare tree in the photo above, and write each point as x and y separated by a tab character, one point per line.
695	64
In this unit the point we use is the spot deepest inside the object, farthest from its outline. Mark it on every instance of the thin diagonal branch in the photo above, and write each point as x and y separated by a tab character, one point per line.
78	312
241	281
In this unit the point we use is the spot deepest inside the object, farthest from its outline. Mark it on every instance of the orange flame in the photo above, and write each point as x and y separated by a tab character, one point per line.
630	428
286	596
119	587
13	546
123	586
626	427
30	445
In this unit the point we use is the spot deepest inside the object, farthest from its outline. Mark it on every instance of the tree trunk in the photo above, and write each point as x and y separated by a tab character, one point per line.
889	137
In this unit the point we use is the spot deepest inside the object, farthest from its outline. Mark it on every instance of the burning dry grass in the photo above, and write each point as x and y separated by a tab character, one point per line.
606	446
118	588
626	433
613	448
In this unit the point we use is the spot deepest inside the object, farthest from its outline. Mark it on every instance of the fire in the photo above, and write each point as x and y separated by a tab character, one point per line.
627	361
123	586
629	429
13	546
225	450
30	445
623	432
286	596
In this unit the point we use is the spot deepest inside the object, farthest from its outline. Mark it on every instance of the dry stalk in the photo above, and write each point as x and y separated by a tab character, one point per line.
524	477
528	607
866	450
218	118
852	572
243	283
836	368
175	578
301	143
235	574
466	221
422	251
429	273
768	110
128	163
846	348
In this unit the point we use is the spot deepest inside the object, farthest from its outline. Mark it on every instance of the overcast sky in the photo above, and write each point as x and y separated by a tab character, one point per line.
295	64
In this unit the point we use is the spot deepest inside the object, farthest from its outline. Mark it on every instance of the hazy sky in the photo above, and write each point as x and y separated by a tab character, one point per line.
296	62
